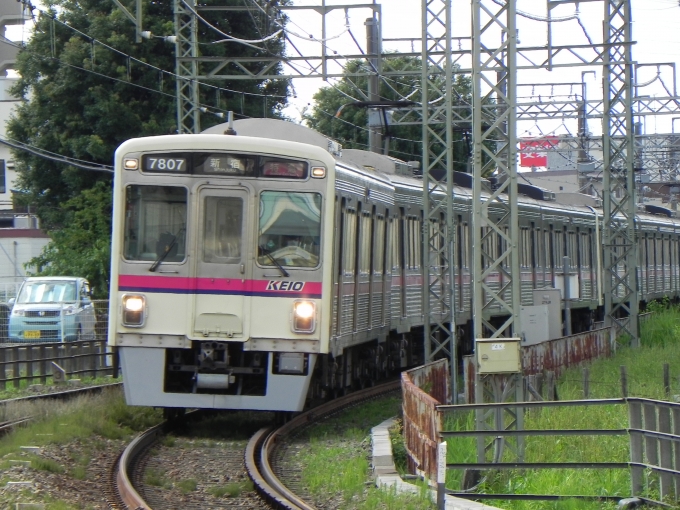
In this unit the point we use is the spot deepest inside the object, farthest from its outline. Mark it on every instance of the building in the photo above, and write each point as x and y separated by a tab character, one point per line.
20	236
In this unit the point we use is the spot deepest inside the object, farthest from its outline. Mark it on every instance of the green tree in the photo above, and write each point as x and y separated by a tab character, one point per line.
334	115
81	99
82	246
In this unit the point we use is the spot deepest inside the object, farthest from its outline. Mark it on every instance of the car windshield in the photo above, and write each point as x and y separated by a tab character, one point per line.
47	292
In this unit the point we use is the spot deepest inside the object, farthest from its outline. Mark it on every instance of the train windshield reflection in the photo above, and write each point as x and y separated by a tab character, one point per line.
289	229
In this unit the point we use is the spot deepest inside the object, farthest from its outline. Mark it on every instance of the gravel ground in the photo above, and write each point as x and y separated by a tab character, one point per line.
187	475
90	461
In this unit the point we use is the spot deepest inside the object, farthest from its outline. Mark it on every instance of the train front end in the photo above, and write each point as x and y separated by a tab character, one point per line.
217	270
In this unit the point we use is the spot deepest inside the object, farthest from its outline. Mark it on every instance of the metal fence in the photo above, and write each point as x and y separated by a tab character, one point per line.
8	290
32	363
653	438
101	309
25	364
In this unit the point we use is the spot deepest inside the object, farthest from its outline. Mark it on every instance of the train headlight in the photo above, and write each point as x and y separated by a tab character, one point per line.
304	316
134	310
131	164
318	172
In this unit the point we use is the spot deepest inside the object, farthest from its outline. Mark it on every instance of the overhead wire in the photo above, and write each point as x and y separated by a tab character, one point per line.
146	64
97	167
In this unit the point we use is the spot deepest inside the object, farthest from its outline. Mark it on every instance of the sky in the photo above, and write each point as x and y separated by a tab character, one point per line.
656	25
656	31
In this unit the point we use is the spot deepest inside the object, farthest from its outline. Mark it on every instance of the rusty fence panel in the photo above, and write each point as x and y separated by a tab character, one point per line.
421	418
562	353
552	356
32	363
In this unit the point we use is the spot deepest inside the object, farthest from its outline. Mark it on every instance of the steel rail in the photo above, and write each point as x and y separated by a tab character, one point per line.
7	426
126	490
60	394
267	440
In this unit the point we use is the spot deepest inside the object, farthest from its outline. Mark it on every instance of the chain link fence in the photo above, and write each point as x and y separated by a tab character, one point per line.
101	314
8	291
33	360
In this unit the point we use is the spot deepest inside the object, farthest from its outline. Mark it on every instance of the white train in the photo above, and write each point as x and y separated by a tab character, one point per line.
259	270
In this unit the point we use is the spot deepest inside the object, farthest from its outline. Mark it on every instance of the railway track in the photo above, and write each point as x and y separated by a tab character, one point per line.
262	457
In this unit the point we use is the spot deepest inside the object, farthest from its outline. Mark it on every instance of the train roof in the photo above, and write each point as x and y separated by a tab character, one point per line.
290	131
278	130
402	173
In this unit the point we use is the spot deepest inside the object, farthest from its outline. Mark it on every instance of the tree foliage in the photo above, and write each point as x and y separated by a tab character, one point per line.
82	246
334	115
81	99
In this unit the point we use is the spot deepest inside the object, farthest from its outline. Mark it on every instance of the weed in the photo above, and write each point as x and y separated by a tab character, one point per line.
231	490
187	486
44	464
157	478
79	473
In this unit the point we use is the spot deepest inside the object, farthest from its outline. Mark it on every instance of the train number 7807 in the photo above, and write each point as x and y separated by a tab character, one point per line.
167	164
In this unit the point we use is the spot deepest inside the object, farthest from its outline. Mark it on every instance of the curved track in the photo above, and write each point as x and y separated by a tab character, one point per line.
259	451
262	447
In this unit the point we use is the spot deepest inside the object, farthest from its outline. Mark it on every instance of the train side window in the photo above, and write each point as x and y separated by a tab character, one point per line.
396	243
559	247
525	247
572	248
414	241
379	243
222	223
408	242
463	243
538	248
584	249
348	248
365	243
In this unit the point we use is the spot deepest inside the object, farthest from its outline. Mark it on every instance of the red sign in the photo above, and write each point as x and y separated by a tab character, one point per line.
533	152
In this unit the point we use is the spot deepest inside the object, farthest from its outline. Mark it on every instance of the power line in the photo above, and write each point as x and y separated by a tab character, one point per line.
42	153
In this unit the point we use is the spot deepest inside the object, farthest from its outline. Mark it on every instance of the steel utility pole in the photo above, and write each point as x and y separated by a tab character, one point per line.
620	244
438	224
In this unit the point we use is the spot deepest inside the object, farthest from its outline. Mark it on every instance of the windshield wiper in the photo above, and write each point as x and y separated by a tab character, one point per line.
276	262
165	251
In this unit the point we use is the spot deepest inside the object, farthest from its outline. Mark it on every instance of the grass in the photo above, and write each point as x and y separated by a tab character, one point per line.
336	464
88	419
187	486
232	490
23	390
157	478
660	344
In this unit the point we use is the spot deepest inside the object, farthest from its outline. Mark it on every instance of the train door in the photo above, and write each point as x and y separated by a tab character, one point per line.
222	272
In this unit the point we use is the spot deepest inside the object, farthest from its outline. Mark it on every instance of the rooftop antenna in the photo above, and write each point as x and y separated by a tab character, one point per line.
230	121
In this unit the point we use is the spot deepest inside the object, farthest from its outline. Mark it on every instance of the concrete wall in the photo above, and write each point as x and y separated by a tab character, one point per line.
18	246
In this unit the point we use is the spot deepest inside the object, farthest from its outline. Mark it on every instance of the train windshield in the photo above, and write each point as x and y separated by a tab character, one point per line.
289	229
155	223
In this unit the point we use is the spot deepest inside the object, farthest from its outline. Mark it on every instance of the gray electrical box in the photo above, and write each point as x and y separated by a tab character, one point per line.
535	324
499	355
552	298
